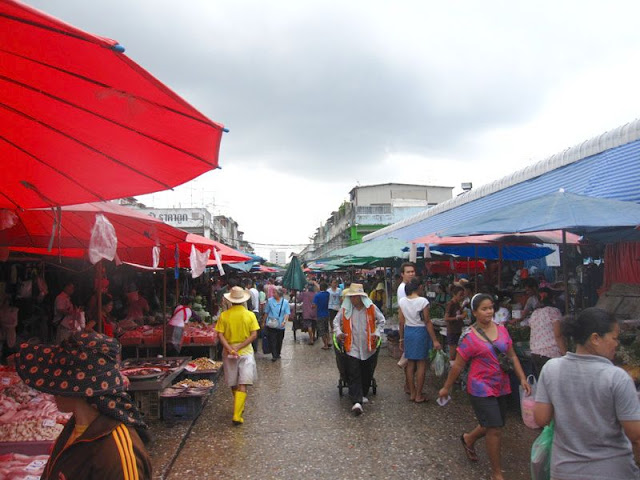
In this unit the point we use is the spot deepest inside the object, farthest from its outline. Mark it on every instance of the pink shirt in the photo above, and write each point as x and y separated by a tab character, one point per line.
308	307
543	340
486	378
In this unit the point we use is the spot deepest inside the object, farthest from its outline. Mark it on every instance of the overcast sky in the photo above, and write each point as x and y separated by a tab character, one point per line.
322	96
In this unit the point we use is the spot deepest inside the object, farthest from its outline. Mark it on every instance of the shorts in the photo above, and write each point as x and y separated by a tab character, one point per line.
332	315
322	326
490	411
453	339
240	371
308	323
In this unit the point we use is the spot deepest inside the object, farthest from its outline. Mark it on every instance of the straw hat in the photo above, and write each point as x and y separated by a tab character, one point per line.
355	289
380	286
237	295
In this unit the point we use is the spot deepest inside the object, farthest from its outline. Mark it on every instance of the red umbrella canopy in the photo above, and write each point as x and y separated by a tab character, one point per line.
134	229
81	122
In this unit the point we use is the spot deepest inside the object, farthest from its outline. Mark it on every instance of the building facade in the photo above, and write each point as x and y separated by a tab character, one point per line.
370	208
279	257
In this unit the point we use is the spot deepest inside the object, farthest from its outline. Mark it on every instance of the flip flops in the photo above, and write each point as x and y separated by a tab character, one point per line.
469	451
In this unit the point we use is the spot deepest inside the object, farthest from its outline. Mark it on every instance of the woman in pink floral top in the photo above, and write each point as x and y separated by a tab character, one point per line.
546	340
488	385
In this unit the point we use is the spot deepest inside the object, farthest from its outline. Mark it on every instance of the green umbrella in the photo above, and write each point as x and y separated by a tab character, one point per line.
294	278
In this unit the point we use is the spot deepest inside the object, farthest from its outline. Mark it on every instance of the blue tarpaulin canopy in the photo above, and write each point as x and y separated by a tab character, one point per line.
492	252
557	211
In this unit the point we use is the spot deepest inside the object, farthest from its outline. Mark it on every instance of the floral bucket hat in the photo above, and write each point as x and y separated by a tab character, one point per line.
85	365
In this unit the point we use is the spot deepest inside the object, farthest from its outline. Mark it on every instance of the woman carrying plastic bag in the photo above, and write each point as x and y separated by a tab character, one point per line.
528	403
541	454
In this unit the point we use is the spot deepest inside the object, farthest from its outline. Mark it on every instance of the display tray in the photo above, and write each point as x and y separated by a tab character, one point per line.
144	373
27	448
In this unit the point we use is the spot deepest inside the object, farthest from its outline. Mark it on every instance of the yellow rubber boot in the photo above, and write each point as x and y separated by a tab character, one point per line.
238	407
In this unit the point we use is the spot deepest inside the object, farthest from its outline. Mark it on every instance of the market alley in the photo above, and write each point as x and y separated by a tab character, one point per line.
297	426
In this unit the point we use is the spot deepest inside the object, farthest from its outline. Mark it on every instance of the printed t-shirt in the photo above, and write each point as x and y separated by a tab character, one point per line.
334	299
486	378
236	324
411	308
543	339
308	312
321	300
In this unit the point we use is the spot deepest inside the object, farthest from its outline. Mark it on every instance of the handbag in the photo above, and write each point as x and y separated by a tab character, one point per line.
505	362
273	322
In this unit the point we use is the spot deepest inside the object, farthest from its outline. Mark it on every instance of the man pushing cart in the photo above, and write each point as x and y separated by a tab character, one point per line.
358	327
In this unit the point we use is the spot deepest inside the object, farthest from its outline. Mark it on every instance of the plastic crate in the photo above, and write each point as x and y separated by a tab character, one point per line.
181	408
148	402
201	375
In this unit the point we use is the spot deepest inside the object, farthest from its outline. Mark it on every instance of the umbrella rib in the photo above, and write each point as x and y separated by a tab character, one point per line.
106	119
87	146
205	121
18	147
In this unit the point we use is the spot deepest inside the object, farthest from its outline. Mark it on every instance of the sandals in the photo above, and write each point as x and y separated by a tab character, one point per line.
470	451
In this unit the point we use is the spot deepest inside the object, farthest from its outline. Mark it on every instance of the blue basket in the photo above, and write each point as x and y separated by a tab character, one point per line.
181	408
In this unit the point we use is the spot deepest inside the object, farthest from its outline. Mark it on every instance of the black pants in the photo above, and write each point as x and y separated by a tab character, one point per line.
359	376
538	361
275	336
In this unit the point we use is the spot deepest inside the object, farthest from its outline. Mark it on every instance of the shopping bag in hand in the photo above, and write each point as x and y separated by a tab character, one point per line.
439	362
528	403
541	454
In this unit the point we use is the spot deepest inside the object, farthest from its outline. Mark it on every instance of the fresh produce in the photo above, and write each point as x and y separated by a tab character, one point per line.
194	383
204	363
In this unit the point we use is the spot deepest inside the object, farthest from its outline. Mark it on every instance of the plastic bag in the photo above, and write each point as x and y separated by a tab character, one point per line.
528	403
103	243
439	362
198	261
541	454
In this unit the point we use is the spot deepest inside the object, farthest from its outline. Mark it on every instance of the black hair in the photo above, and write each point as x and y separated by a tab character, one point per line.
407	264
478	299
530	282
106	299
547	300
456	289
412	286
591	320
323	286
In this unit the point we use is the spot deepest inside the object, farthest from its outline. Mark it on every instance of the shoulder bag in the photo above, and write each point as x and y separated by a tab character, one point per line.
505	362
273	322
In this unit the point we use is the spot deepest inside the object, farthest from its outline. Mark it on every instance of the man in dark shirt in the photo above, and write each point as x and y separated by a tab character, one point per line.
321	301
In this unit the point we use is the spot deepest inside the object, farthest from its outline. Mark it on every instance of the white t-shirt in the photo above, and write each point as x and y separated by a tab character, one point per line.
401	293
335	299
181	316
255	299
411	308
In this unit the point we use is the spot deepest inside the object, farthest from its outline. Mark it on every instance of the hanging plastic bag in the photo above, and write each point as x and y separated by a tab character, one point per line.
198	261
216	254
528	403
7	219
541	454
440	363
103	243
155	253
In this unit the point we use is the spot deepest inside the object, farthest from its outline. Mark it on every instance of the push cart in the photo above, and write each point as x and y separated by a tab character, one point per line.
338	348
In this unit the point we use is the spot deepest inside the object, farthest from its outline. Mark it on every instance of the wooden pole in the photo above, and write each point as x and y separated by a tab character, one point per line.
565	271
99	293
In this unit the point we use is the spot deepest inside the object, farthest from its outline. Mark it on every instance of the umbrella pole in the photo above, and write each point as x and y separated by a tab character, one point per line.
99	294
164	309
475	267
499	266
565	271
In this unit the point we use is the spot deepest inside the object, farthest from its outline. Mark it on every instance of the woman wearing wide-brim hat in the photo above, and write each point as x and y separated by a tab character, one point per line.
101	439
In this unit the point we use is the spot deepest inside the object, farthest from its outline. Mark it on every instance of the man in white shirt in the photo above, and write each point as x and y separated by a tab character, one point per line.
255	305
407	271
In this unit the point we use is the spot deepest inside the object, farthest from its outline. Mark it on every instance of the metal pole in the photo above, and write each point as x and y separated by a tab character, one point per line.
499	266
475	267
565	271
164	309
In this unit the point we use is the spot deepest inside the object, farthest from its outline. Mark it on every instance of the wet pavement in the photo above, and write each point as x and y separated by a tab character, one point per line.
297	426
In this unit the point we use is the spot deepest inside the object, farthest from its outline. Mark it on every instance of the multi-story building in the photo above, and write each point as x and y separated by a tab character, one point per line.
200	221
278	257
370	208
